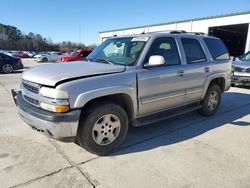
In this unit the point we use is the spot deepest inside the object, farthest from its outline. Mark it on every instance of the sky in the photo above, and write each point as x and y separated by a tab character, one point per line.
63	20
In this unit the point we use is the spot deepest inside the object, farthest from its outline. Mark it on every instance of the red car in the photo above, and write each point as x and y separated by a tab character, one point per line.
22	55
78	55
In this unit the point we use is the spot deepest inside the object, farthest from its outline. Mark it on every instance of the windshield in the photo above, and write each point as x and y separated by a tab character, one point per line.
123	51
74	53
245	57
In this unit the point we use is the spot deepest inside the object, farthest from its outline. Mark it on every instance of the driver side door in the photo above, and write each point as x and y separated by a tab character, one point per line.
162	87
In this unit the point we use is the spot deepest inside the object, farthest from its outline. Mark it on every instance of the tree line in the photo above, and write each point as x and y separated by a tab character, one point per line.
11	38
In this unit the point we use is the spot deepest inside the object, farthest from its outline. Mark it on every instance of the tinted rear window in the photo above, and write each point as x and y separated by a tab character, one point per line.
217	49
193	51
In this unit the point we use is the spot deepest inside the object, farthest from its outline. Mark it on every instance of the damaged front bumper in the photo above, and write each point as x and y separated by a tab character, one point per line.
61	126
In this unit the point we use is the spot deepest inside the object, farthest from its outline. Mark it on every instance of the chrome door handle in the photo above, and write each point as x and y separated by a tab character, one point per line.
180	73
206	69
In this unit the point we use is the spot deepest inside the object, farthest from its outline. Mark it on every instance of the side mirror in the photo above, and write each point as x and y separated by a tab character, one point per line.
155	61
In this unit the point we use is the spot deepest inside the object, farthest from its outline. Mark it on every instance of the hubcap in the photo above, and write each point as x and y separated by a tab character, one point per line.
7	68
106	129
213	100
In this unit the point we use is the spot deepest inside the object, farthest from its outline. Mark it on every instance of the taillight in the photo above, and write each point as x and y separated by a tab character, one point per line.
19	61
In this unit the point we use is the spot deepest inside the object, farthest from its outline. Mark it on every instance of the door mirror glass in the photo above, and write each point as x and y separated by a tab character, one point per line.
155	61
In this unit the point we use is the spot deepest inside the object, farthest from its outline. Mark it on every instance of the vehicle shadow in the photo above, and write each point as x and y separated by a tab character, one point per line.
17	71
185	127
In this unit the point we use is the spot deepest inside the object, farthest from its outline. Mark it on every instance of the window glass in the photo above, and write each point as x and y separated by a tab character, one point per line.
193	51
217	49
3	56
124	51
167	48
114	50
85	53
245	57
136	49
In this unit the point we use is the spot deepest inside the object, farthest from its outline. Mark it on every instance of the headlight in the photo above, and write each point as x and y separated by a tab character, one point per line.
54	108
53	93
54	100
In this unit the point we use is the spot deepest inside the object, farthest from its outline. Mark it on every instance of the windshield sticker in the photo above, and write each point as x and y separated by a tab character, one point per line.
143	39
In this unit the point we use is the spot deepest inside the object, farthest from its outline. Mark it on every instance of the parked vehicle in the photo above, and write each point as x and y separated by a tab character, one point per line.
22	55
31	54
131	80
76	56
8	63
241	72
49	56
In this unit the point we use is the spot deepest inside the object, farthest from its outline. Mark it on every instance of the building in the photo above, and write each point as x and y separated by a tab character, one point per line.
233	29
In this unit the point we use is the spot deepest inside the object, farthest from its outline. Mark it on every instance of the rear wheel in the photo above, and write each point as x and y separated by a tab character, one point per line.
7	68
103	128
211	101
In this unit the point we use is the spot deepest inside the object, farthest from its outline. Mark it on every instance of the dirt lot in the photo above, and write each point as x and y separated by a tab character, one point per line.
187	151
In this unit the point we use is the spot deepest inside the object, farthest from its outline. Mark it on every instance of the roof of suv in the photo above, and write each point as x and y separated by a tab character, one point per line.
174	33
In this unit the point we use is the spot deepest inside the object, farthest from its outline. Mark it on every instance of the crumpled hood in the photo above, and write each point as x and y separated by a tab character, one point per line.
51	74
242	64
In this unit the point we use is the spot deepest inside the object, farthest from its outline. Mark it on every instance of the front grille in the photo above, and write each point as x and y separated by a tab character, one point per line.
31	100
31	87
239	69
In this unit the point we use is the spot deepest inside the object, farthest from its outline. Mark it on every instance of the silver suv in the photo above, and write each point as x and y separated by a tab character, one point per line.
241	71
130	80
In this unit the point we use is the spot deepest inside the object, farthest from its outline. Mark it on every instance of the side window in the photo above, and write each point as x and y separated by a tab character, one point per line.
3	56
84	53
167	48
193	51
217	49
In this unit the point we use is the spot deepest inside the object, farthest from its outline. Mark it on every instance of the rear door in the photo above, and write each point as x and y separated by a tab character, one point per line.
197	67
163	87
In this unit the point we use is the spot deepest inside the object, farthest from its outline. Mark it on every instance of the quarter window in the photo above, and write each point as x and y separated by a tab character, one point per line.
217	49
193	51
167	48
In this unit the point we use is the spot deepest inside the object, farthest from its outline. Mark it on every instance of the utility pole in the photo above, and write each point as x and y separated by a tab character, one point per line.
79	34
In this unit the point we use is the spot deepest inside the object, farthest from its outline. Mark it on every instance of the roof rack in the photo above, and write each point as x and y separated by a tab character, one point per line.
175	32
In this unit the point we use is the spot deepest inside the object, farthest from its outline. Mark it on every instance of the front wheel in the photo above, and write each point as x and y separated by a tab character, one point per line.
211	101
45	59
102	128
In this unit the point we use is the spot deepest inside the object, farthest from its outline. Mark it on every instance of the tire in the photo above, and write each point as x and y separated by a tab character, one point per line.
7	68
211	101
45	59
102	128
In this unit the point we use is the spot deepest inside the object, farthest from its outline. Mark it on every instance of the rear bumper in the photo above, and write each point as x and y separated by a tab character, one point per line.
61	126
18	66
241	80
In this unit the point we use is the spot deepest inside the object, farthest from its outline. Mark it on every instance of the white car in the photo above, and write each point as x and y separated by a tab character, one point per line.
49	56
31	54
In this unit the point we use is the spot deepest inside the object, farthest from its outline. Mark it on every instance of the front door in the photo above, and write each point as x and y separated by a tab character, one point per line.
161	88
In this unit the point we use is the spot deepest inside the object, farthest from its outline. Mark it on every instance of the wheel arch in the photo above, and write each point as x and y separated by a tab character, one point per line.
219	79
123	96
121	99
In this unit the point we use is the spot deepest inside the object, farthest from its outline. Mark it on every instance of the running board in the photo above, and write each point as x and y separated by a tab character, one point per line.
165	115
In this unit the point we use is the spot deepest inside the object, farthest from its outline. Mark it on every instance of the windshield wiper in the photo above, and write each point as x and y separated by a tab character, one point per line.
107	61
